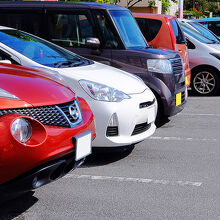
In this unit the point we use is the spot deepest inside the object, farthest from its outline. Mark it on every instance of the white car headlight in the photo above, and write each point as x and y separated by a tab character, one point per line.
7	95
102	92
21	130
159	66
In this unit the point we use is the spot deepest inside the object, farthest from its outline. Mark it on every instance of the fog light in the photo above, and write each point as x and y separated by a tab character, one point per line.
113	120
21	130
112	129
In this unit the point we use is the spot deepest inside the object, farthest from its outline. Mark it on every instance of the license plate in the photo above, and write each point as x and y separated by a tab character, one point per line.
151	115
83	144
178	99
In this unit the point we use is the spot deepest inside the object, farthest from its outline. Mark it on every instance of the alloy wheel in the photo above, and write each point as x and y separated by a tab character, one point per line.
204	82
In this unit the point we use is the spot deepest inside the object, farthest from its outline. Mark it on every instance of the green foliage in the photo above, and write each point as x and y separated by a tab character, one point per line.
151	4
200	8
166	4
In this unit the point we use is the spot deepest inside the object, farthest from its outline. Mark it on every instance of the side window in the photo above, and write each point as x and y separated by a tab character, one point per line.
190	45
214	26
149	27
154	27
29	22
69	30
144	28
109	38
4	56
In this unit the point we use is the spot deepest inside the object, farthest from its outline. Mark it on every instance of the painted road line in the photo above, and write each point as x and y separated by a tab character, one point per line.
136	180
182	139
202	114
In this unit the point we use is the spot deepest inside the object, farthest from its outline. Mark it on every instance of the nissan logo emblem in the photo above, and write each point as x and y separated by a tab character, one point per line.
73	110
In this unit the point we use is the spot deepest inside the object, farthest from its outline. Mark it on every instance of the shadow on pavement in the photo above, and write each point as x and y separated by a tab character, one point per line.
14	207
162	122
106	155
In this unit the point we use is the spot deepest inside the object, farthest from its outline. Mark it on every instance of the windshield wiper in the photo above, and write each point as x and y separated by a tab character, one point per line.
68	63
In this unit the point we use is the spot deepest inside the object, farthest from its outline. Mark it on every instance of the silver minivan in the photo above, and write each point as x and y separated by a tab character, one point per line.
204	61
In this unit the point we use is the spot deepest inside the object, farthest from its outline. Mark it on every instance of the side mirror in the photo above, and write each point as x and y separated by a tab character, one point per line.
92	42
5	61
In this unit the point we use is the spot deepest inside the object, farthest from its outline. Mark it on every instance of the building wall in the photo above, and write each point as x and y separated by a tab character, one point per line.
143	7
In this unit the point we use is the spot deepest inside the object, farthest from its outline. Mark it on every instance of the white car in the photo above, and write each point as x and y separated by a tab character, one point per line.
204	56
123	106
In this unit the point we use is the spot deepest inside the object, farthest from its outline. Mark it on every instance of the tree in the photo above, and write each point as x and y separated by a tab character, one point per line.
201	7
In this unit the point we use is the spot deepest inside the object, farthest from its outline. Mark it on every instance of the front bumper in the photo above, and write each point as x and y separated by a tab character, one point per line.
41	175
176	102
134	123
49	143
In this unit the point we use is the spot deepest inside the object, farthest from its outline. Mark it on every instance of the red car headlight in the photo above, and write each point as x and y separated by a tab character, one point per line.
21	129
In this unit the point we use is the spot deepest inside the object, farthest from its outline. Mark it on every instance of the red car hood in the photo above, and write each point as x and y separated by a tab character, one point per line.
33	87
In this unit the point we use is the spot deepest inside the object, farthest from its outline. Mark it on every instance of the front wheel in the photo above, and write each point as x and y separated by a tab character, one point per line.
205	82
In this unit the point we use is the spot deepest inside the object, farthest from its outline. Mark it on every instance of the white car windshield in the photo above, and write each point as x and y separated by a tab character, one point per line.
195	34
204	31
40	50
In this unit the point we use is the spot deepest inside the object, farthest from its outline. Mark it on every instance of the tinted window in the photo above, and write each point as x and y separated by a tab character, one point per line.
29	22
214	26
177	31
69	30
39	50
128	29
109	37
149	27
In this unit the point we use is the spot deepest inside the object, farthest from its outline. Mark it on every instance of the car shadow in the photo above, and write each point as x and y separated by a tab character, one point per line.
14	207
162	122
105	155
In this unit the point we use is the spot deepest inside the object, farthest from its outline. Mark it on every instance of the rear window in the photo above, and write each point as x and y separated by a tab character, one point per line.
149	27
177	31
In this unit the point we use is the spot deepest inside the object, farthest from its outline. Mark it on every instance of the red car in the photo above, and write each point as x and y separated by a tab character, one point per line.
45	131
163	31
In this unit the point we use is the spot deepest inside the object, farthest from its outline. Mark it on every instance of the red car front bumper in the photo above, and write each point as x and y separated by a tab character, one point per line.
49	155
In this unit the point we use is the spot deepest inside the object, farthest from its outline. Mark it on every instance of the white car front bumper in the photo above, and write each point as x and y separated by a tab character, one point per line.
135	122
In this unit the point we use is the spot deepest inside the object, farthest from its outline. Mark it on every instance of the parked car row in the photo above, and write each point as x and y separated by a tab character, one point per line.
166	32
48	128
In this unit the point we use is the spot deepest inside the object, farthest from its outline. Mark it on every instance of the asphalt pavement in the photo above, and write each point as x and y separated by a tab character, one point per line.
172	175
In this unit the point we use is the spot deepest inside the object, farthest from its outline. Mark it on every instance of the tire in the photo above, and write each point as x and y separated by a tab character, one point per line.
205	82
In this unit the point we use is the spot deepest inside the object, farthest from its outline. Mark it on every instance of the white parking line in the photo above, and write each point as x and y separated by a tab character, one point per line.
136	180
202	114
182	139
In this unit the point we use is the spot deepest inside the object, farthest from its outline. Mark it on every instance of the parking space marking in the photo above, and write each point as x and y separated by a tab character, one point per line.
136	180
182	139
197	114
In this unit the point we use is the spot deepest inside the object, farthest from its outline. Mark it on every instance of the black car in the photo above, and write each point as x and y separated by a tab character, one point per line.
105	33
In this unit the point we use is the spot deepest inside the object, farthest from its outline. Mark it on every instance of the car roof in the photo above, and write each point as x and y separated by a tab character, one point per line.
154	15
208	19
40	4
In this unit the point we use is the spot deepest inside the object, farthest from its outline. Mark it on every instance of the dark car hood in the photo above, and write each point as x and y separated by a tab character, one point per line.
158	53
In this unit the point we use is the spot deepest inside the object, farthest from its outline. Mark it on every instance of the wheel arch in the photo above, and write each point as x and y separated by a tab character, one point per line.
200	67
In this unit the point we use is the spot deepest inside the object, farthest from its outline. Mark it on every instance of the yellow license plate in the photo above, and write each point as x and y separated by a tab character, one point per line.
186	80
178	99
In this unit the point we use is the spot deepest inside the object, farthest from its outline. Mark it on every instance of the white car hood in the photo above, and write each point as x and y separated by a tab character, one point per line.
106	75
